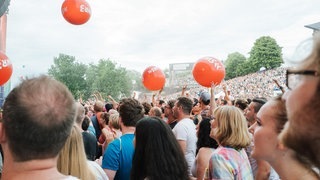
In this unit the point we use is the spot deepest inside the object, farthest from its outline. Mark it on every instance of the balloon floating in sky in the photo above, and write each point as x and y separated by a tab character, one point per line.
208	70
76	12
5	69
153	78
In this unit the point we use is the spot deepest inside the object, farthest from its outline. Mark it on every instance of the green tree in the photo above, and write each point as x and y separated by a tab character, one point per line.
66	70
108	79
265	53
234	65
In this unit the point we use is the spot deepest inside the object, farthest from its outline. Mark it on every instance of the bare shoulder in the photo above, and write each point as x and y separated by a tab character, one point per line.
205	153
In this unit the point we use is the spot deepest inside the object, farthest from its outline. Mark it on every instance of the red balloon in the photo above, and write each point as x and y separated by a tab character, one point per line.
5	69
153	78
208	70
76	12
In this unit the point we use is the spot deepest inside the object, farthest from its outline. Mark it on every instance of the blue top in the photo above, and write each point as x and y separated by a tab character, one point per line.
118	156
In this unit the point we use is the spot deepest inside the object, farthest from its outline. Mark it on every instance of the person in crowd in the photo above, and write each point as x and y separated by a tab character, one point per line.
115	104
86	124
195	112
205	147
230	130
261	169
267	146
38	116
96	119
241	104
158	154
168	113
104	121
204	102
97	122
156	111
147	107
302	102
227	95
185	129
88	115
107	135
114	125
117	159
108	106
89	140
253	108
72	159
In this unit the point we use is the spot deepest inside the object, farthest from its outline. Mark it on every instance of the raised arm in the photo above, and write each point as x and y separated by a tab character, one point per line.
183	90
213	104
114	102
226	95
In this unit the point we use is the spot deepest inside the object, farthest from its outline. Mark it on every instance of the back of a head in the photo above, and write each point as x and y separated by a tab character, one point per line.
80	113
156	111
72	158
157	152
85	123
130	111
114	121
147	107
98	106
241	103
37	118
161	102
232	127
205	98
204	139
108	106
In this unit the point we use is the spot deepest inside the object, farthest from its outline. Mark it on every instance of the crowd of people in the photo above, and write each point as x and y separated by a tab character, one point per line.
244	134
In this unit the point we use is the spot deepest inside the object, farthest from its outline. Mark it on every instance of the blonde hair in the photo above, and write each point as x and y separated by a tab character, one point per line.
114	121
232	128
72	159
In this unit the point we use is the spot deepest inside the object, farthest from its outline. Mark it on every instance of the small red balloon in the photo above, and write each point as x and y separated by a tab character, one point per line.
208	70
76	12
153	78
5	69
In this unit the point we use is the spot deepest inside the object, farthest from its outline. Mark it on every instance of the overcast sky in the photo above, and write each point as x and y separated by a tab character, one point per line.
140	33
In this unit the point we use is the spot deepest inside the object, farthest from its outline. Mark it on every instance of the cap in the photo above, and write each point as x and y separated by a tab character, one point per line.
205	97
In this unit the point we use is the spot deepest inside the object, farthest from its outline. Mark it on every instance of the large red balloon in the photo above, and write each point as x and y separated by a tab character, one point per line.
5	69
153	78
208	70
76	12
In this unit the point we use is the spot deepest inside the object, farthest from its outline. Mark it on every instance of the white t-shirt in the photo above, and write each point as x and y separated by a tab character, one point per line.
185	130
97	170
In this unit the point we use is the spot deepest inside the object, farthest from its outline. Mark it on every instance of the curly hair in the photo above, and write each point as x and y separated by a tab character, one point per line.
130	111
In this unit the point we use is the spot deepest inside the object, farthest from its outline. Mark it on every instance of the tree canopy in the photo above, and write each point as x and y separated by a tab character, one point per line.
70	72
234	65
104	77
265	53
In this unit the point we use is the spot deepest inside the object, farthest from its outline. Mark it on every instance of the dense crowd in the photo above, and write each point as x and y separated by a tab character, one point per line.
237	130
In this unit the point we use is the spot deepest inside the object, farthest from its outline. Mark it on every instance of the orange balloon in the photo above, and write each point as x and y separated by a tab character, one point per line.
76	12
208	70
5	69
153	78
